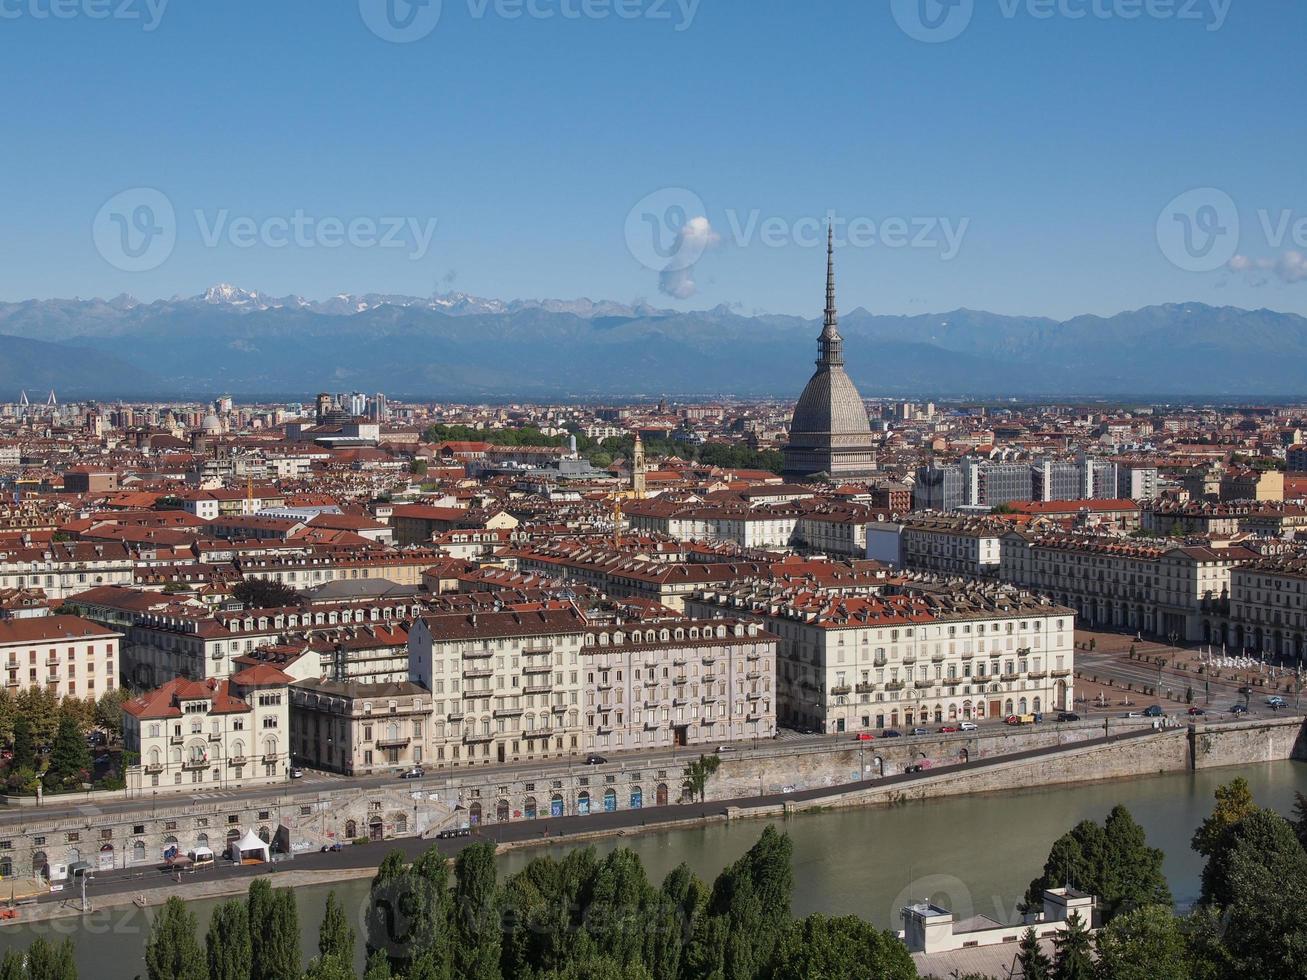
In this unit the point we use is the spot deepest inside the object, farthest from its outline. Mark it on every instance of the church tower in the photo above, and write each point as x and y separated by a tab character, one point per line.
830	437
638	469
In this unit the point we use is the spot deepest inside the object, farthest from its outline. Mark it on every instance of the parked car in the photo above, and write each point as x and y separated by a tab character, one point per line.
920	731
891	733
1133	714
1021	719
968	726
454	832
417	772
331	848
947	729
724	748
1067	716
1154	711
1195	711
863	737
1275	701
919	766
594	759
1238	709
296	772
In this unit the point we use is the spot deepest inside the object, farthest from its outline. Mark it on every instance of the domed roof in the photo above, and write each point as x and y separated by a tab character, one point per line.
829	405
211	424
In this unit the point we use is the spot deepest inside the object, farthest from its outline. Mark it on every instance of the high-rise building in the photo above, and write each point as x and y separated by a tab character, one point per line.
830	437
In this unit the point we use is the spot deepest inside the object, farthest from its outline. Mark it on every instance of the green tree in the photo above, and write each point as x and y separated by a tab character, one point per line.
70	759
227	943
277	955
1300	817
173	952
1035	963
109	711
1146	943
12	966
680	903
697	774
824	947
378	967
258	907
265	593
1132	875
335	937
1073	959
24	749
40	706
46	961
475	915
1234	801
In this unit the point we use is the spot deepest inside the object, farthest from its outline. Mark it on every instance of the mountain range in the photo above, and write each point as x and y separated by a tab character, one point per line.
459	347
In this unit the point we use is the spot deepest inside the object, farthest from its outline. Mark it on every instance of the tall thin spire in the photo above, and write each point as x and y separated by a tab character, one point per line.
831	343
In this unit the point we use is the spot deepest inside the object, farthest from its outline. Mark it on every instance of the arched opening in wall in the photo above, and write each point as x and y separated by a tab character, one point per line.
939	713
967	710
351	830
265	835
40	864
474	815
232	835
401	823
529	809
556	805
201	840
74	855
1063	701
1021	706
1036	705
6	867
953	712
880	765
376	829
501	811
660	795
637	798
583	803
1007	707
138	851
106	858
964	756
610	800
894	718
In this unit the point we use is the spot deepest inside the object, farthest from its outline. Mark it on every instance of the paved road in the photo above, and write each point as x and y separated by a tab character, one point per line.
1224	691
553	829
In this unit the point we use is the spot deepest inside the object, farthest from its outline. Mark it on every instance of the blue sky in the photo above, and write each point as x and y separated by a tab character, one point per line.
1031	164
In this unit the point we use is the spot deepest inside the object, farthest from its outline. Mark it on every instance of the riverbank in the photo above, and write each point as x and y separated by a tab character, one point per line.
1125	756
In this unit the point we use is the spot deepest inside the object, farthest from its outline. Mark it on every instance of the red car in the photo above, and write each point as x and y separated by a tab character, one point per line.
863	737
1197	711
946	729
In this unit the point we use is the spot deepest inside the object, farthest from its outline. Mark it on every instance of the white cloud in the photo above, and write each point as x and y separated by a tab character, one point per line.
1290	267
695	237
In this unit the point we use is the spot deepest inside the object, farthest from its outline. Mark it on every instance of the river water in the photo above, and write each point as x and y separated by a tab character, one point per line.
976	855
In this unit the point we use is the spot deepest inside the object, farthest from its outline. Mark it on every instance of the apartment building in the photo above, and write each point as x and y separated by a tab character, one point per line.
359	729
73	657
1154	588
1267	614
63	568
678	682
851	663
504	685
942	544
211	733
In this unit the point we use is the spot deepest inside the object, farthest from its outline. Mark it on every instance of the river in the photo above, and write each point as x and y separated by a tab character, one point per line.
973	854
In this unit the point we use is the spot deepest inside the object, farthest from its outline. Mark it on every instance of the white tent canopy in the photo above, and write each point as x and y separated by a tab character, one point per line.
247	844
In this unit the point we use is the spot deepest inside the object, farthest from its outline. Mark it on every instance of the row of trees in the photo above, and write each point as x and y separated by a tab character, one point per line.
47	736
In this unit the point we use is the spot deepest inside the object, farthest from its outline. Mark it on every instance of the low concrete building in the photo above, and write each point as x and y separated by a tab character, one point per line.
70	656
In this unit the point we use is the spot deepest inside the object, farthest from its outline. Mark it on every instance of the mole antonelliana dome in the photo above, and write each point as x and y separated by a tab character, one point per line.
830	436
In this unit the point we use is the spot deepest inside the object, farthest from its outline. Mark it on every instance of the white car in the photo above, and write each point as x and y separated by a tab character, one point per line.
1275	701
968	726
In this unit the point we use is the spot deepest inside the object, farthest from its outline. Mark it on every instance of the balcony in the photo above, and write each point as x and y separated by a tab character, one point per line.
215	737
894	686
709	678
536	668
456	716
839	690
236	760
392	743
753	675
864	688
880	661
910	658
507	712
709	661
471	738
680	680
154	767
537	688
1008	678
270	759
951	681
559	709
478	655
473	692
195	763
538	649
471	672
1061	673
923	684
1037	675
176	739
